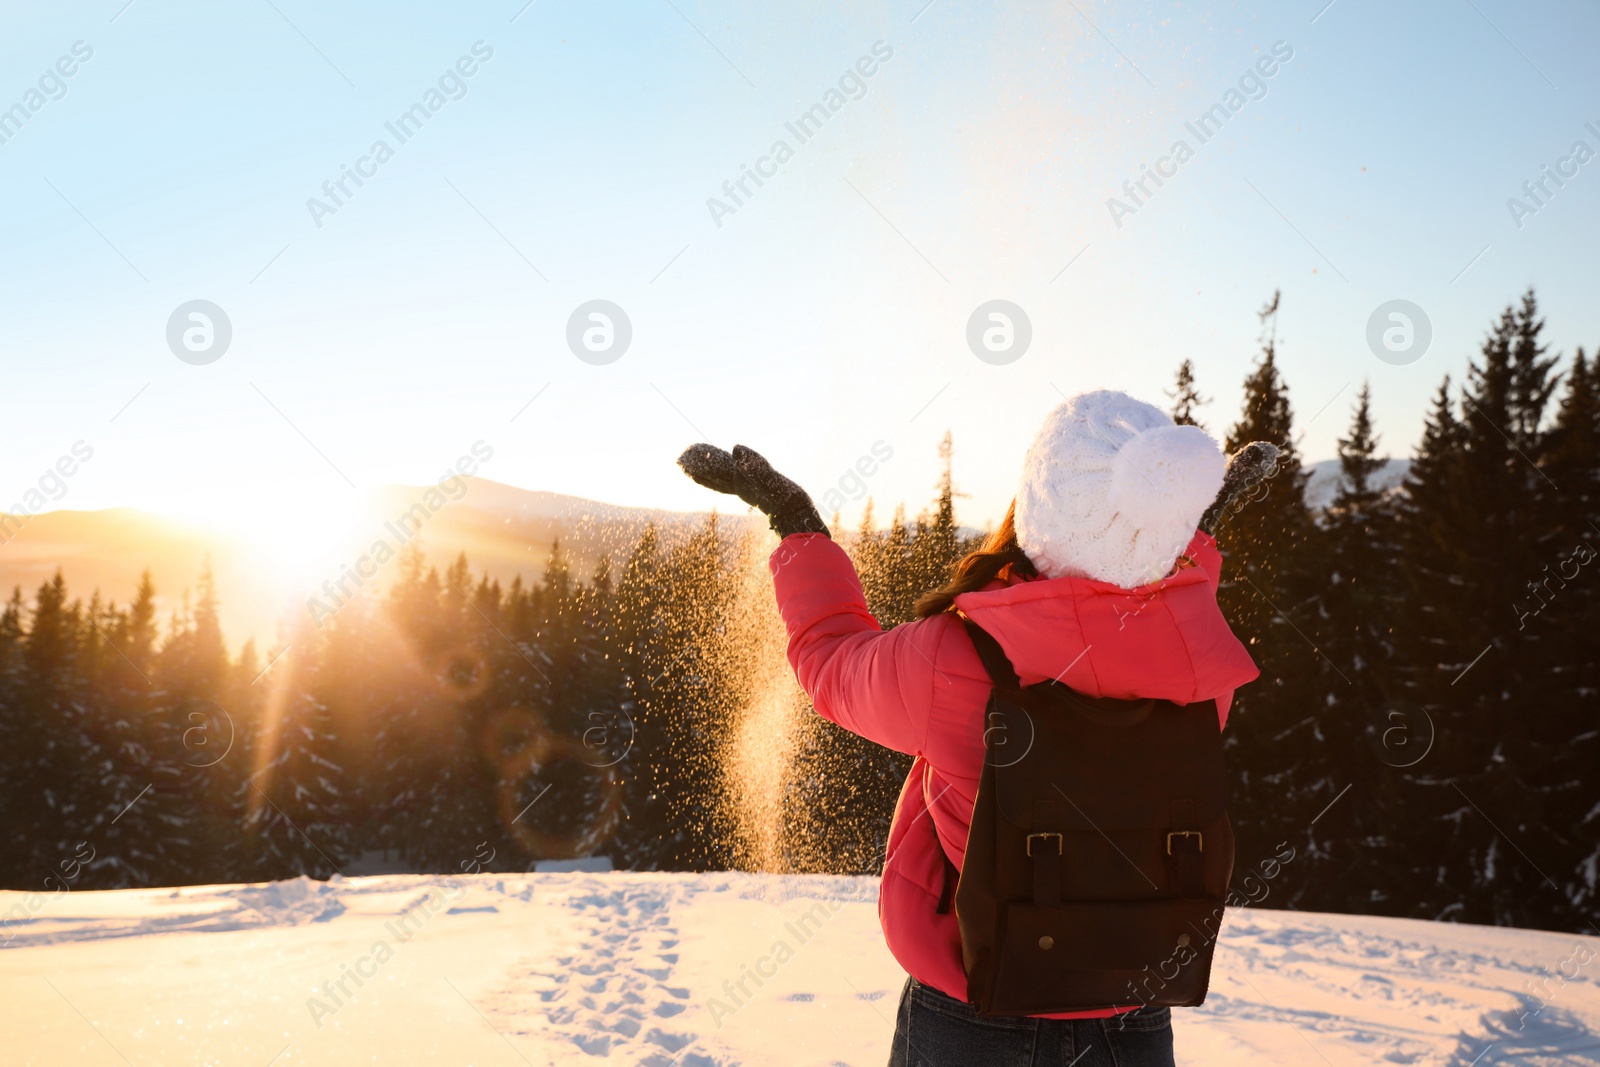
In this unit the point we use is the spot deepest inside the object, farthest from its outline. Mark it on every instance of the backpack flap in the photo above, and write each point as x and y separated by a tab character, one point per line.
1126	807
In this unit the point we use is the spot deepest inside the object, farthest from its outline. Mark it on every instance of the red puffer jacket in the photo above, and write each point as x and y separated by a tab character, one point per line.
920	689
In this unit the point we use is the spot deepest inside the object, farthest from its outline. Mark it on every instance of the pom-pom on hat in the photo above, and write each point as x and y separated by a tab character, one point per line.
1112	490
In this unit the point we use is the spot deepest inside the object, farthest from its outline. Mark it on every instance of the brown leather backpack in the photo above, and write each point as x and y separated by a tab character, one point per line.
1099	855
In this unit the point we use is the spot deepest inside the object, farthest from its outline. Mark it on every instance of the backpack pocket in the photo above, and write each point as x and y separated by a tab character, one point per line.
1105	953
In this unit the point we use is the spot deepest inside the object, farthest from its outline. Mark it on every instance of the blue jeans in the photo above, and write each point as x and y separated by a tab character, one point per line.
933	1030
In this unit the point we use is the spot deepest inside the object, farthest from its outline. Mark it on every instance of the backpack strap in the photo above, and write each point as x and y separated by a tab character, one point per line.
1185	845
1044	849
1001	673
947	893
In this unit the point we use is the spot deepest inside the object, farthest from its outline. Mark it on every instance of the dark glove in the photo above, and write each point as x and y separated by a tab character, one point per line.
1247	468
747	475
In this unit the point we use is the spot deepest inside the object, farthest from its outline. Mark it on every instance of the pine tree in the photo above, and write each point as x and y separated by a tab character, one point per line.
937	545
1476	502
135	744
1428	506
566	688
16	815
608	726
1533	378
1358	605
1496	546
296	814
201	731
651	835
1272	574
1360	547
432	766
674	604
60	803
1186	397
1571	691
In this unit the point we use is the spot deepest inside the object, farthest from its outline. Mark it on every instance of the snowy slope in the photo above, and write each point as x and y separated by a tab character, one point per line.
630	969
1323	482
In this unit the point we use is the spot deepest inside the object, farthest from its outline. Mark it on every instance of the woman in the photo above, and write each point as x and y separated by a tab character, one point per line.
1100	577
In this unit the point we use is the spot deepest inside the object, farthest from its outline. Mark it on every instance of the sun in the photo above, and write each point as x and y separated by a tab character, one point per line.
293	536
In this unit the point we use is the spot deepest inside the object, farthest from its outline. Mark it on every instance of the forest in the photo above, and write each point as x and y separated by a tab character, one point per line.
1425	734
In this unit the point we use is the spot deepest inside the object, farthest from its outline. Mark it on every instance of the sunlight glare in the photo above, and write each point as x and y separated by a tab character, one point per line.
297	539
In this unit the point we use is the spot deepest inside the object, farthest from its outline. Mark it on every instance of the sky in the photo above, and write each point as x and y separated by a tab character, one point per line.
379	332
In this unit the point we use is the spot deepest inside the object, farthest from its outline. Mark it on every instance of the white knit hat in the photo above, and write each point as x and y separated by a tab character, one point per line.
1112	490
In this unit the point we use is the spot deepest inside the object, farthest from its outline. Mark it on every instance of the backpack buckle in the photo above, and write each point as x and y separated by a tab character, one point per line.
1200	843
1056	836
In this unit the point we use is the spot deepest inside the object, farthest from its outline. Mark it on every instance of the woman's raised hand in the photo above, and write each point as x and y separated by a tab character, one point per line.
746	474
1248	468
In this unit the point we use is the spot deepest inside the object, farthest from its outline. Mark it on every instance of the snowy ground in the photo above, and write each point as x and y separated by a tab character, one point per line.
623	968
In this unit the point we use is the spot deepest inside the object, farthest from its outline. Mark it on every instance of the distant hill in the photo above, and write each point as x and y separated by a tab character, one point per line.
108	550
505	531
1324	480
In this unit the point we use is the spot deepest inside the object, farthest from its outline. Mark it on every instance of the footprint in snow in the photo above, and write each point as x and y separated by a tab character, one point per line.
613	1002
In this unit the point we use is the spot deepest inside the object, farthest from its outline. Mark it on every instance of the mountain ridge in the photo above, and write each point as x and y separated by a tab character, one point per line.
505	531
